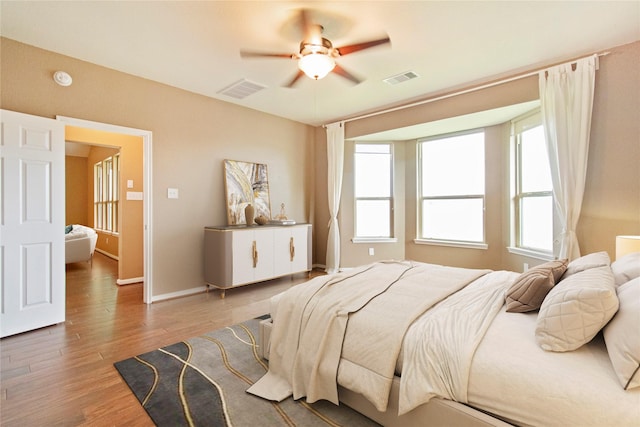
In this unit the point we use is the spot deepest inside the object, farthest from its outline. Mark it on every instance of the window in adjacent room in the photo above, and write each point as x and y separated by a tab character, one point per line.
106	194
533	196
373	171
451	171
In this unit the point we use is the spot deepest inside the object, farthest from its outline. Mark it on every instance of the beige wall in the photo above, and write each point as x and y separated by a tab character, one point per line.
611	203
76	196
192	135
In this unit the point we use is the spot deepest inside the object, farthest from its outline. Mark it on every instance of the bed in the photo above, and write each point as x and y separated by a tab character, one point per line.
409	343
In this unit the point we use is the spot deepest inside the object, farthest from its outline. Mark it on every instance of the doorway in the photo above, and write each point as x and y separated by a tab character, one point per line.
144	195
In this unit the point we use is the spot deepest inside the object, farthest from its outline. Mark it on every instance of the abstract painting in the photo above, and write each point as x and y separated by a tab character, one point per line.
246	183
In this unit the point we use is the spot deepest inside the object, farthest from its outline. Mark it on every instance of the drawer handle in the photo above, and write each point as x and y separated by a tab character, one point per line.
292	249
255	254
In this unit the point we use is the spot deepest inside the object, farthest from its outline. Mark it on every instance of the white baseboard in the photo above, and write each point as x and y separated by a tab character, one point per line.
319	266
130	281
112	256
178	294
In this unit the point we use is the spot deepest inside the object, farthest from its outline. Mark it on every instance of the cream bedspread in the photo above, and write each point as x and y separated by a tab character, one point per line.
350	327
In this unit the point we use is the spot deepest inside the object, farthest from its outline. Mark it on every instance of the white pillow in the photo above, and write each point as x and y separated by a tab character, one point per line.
594	260
623	337
576	309
626	268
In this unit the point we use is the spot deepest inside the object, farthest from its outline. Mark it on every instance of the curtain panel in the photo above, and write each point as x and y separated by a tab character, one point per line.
566	96
335	161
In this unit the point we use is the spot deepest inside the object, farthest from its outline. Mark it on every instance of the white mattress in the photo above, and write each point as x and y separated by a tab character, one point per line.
512	376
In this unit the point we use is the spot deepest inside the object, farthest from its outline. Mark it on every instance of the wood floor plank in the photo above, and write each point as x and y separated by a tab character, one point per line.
64	374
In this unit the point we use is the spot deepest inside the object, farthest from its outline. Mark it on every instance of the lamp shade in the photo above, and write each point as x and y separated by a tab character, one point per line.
627	244
316	65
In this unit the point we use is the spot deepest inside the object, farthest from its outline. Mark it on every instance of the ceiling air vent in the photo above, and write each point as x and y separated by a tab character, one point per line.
394	80
241	89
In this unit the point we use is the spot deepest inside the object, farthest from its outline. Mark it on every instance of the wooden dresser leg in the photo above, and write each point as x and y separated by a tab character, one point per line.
222	293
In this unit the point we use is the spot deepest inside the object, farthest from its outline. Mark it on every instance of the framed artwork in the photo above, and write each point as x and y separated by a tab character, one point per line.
246	184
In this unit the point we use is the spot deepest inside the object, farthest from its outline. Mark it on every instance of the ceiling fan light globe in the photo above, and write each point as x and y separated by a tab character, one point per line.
316	65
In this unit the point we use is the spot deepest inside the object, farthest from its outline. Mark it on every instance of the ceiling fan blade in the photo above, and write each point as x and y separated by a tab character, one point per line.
345	50
347	75
294	79
251	54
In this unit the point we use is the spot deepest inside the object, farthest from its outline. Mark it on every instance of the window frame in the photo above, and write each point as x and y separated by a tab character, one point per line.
519	125
373	239
106	194
421	198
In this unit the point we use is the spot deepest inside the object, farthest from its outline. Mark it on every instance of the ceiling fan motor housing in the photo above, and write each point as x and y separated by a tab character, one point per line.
309	47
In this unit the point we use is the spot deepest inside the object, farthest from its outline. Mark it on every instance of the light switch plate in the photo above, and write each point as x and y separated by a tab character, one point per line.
172	193
129	183
135	195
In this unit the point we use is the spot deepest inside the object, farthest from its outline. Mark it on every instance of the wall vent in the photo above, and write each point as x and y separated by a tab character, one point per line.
394	80
241	89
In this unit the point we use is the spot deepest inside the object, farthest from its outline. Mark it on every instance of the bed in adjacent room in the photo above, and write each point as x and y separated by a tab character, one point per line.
410	343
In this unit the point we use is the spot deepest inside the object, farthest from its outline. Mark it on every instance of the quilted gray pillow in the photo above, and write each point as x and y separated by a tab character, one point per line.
528	291
576	309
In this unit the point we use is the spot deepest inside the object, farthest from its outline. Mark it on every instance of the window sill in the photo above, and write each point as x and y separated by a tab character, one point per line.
374	240
468	245
544	256
107	232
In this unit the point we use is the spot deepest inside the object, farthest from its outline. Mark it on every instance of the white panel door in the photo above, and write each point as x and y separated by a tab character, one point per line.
32	269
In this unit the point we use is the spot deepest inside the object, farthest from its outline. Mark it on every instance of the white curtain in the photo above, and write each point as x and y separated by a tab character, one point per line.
335	160
566	97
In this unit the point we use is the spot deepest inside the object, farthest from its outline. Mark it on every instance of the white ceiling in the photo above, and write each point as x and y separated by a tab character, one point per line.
194	45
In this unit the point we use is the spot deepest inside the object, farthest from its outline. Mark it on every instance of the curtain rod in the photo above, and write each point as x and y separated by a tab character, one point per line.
468	90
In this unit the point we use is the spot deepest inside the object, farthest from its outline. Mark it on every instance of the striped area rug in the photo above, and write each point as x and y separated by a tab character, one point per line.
202	382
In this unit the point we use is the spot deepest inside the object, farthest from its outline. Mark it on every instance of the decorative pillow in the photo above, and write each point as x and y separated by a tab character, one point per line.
68	229
594	260
576	309
626	268
530	288
622	337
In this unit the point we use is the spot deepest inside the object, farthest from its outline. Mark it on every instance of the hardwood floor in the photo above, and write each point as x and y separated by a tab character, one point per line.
63	375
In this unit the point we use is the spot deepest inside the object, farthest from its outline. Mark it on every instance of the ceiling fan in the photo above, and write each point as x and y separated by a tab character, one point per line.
317	55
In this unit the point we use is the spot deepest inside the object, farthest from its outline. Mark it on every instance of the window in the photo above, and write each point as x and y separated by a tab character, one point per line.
106	194
451	189
533	199
373	191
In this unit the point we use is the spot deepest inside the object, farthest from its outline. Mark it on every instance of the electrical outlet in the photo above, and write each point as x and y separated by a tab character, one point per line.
525	267
371	251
